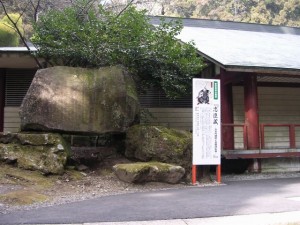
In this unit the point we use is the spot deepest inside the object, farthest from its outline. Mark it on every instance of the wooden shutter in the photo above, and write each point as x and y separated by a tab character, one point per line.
16	86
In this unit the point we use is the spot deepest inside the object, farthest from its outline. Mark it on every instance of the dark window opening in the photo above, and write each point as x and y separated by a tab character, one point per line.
16	85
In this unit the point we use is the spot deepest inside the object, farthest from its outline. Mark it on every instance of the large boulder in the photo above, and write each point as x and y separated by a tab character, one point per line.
149	172
79	100
43	152
156	143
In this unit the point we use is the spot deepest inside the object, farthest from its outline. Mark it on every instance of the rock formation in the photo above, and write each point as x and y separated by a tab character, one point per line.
148	172
43	152
155	143
78	100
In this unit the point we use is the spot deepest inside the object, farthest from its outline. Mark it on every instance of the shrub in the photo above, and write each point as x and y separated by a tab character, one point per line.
8	36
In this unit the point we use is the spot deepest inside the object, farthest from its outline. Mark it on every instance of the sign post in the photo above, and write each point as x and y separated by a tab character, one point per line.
206	125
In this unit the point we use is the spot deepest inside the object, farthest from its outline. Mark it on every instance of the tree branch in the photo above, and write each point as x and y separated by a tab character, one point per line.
35	7
19	32
129	4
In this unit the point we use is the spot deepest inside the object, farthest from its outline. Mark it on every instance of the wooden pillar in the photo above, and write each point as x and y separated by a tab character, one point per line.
251	110
2	98
226	112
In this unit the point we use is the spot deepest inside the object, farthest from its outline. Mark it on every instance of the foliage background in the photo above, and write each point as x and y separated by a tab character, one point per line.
154	56
94	37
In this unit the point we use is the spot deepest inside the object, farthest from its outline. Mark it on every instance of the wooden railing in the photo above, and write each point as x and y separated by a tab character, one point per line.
292	133
262	151
291	130
245	132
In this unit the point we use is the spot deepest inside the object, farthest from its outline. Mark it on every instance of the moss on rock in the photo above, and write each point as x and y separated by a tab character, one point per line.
80	100
157	143
149	171
43	152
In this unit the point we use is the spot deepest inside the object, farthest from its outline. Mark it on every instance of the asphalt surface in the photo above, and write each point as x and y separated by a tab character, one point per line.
234	198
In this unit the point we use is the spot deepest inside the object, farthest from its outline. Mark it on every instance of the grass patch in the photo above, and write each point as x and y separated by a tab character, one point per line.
23	197
14	175
73	174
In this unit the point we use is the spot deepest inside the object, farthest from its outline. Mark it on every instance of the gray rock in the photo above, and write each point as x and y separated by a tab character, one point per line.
149	172
43	152
82	167
155	143
78	100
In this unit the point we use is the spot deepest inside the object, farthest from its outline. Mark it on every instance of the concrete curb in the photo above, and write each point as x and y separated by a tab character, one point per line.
284	218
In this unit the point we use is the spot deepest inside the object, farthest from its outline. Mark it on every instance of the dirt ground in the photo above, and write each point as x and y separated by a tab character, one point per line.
23	189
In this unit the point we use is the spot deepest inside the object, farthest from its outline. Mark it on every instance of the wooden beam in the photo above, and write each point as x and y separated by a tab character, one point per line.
230	77
262	155
2	98
227	112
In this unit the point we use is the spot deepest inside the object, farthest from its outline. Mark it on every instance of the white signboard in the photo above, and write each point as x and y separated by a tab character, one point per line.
206	122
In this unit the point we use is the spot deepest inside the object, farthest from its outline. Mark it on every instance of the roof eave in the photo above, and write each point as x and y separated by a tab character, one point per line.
264	70
251	69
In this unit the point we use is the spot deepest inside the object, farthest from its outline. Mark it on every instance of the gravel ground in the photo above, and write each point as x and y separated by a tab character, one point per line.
95	183
257	176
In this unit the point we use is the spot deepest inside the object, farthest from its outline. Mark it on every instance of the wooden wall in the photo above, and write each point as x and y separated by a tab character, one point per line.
11	119
277	105
180	118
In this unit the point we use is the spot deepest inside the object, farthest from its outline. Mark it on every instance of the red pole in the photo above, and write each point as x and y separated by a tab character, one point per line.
194	174
251	110
292	136
262	136
218	173
2	98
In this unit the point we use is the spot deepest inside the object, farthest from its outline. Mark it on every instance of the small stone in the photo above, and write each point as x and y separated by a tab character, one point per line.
60	147
84	174
82	167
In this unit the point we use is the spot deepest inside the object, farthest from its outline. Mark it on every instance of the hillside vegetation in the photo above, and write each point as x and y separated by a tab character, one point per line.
275	12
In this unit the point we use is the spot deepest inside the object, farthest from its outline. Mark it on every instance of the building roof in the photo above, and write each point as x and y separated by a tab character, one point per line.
17	57
16	49
239	46
236	46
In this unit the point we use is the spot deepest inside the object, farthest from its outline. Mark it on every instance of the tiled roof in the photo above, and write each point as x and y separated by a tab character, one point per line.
235	45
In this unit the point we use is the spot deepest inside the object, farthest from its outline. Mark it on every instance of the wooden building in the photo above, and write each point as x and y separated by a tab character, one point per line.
17	69
259	69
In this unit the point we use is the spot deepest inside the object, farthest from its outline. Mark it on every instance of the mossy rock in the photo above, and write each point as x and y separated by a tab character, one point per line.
157	143
43	152
142	172
80	101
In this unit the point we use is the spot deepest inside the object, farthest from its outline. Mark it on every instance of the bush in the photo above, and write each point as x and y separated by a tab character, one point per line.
8	36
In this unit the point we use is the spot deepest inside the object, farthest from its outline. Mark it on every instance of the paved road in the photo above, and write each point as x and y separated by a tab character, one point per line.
234	198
